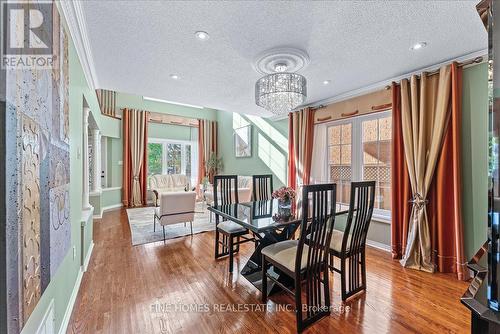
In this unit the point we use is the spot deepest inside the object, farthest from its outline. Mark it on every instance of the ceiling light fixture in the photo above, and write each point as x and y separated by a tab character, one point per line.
326	82
281	91
418	46
202	35
172	102
175	76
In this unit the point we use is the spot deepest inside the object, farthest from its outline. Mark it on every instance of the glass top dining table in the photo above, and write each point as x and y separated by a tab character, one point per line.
265	216
258	216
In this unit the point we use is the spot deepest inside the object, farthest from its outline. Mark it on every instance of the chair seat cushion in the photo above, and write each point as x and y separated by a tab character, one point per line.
285	252
336	242
231	227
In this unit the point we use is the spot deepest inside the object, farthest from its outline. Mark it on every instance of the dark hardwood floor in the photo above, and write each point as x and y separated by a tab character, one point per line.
136	290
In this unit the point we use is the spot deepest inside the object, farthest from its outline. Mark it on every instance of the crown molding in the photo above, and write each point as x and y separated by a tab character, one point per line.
73	14
381	84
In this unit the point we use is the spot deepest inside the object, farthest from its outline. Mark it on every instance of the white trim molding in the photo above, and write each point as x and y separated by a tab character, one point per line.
107	208
378	245
95	193
74	293
73	14
71	303
88	256
381	84
47	324
111	189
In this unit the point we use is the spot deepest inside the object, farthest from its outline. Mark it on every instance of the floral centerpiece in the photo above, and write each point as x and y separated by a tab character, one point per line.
285	195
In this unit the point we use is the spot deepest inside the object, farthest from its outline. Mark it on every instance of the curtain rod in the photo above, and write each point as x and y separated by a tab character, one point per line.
476	60
171	123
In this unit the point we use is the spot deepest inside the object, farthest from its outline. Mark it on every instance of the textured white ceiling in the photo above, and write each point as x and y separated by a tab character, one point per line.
136	45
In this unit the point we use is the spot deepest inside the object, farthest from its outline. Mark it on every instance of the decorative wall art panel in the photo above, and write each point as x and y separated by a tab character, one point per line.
60	226
30	215
243	142
38	143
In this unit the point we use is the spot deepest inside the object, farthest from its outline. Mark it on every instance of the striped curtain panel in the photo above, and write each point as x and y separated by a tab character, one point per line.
135	157
300	147
428	232
207	144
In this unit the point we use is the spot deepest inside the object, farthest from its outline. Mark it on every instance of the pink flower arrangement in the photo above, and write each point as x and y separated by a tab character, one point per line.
284	194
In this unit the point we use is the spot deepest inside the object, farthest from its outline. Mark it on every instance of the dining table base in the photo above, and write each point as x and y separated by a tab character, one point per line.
252	270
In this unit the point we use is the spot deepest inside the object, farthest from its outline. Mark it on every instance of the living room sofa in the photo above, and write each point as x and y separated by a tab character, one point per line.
164	183
244	190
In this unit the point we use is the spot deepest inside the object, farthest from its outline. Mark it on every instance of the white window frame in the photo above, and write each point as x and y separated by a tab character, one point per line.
183	143
357	152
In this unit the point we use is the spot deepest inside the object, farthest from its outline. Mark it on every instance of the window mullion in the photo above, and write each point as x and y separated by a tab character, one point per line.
357	151
183	159
165	158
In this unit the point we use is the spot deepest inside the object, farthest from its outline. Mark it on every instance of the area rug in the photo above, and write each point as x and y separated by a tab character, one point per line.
140	221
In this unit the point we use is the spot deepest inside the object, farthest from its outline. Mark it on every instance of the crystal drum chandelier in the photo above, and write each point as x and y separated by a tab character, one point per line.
281	91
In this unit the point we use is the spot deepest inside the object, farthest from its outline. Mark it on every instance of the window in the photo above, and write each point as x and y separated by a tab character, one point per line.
377	159
360	149
173	157
339	146
155	158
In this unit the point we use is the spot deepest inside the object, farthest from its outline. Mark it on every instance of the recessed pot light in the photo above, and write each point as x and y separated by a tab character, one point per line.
326	82
418	46
175	76
202	35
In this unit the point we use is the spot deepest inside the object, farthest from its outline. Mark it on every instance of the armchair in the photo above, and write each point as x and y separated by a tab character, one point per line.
175	208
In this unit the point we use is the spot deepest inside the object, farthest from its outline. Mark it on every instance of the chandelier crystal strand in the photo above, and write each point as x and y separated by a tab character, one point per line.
280	92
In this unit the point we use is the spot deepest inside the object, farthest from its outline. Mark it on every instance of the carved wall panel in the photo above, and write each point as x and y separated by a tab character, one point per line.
30	215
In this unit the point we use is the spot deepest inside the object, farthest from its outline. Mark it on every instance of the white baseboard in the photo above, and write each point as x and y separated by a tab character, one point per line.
378	245
111	189
74	293
107	208
48	321
88	256
71	303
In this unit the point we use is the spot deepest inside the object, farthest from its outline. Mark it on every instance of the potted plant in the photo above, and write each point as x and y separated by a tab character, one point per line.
213	166
285	195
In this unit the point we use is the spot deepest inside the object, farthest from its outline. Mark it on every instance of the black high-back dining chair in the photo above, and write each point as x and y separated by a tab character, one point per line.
306	262
262	187
233	234
262	209
350	246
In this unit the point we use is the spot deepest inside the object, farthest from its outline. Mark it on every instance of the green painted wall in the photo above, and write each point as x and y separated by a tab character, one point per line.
111	197
169	131
475	156
61	285
269	146
115	162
